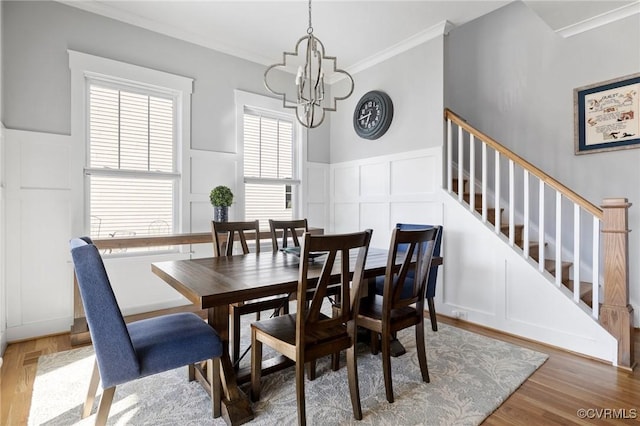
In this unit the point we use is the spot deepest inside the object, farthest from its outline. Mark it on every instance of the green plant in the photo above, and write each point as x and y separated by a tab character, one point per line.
221	196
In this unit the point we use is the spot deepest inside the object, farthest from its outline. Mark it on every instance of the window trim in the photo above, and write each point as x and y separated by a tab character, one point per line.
85	67
271	107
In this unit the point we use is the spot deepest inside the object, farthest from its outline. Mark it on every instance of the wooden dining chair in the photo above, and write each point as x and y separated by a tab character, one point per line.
289	229
225	235
309	334
433	274
397	308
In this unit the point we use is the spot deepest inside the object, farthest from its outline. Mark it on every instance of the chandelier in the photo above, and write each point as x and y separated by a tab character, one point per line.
307	96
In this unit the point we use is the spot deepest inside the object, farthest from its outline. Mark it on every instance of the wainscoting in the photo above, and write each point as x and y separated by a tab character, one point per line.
44	207
379	192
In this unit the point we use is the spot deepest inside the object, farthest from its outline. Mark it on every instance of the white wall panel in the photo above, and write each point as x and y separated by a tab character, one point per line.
493	285
317	215
374	180
346	184
396	188
137	289
346	217
424	212
316	195
316	183
210	169
414	175
45	289
201	216
44	161
376	216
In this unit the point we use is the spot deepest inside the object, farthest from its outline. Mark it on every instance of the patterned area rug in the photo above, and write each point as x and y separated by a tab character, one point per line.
471	375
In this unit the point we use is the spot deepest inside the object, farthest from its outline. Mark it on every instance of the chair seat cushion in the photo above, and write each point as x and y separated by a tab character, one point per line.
171	341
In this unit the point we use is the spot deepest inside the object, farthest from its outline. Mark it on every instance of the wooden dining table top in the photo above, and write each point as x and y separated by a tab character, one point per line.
216	281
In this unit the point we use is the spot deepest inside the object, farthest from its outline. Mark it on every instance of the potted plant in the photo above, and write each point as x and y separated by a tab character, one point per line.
221	198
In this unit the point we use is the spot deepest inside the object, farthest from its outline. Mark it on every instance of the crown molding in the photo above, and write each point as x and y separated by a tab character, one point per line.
440	29
600	20
104	9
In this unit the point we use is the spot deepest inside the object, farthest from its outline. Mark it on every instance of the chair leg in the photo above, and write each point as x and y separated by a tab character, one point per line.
256	365
422	353
234	334
91	392
386	365
191	372
213	376
432	314
375	338
105	406
302	415
354	389
311	370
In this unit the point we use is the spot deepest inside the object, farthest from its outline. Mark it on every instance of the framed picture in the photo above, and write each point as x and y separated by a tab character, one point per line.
607	115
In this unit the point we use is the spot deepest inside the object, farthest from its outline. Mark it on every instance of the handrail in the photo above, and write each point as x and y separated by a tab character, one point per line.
571	195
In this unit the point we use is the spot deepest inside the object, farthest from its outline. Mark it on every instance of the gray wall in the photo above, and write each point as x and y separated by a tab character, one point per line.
35	78
512	77
414	81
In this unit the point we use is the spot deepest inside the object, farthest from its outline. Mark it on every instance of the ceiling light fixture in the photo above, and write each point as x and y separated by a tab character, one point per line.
313	69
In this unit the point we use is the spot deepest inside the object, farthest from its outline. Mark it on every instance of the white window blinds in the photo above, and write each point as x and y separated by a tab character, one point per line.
132	177
269	167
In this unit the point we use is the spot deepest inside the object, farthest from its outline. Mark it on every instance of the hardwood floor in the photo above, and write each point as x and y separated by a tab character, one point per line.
553	395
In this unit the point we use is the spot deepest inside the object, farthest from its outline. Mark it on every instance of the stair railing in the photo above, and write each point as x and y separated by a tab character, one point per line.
582	220
466	147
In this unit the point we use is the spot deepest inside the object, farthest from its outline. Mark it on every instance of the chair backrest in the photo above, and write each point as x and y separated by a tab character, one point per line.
224	236
288	228
433	274
115	354
414	248
344	253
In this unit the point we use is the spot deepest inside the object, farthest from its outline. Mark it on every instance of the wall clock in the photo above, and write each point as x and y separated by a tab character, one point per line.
373	114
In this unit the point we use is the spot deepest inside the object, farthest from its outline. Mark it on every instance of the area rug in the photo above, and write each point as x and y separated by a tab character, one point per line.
471	375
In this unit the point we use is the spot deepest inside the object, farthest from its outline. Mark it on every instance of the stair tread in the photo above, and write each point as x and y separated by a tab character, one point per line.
585	287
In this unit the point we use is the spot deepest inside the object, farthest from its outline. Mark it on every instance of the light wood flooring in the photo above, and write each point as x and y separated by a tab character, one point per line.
553	395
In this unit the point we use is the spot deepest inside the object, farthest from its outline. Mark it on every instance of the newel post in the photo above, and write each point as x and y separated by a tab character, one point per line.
616	314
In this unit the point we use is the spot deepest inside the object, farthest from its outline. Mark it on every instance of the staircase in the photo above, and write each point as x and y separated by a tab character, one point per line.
565	236
585	292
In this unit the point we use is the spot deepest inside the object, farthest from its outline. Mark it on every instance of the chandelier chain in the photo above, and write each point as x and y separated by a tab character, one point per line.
310	28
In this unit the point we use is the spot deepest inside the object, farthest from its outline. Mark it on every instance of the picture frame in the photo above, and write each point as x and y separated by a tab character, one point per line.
607	115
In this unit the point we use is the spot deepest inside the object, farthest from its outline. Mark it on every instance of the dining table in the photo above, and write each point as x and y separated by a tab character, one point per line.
213	283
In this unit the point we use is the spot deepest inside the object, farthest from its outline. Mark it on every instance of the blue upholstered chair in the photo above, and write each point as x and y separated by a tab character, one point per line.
125	352
433	274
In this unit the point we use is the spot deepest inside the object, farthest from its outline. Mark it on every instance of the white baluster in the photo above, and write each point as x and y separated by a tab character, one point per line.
512	204
485	198
449	159
472	172
558	238
460	163
525	207
541	226
595	295
576	253
496	188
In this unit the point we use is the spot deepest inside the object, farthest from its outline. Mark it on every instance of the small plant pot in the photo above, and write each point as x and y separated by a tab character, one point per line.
221	213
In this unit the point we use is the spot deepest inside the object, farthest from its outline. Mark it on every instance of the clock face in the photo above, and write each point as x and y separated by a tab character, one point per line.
373	114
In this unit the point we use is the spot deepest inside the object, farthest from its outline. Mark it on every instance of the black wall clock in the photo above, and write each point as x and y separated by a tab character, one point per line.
373	114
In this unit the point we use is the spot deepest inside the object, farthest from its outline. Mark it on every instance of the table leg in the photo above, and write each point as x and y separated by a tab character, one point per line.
236	408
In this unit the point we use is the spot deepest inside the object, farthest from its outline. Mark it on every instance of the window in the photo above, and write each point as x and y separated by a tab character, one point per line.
132	177
269	165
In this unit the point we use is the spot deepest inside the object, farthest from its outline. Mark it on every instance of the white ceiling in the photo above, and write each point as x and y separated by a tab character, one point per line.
355	31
